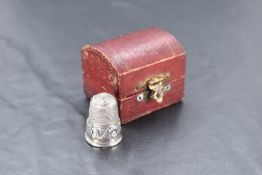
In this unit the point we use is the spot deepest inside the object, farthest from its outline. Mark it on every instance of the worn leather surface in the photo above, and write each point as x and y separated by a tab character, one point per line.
138	49
217	129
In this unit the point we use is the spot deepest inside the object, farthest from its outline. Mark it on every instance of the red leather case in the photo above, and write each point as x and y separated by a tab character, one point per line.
144	70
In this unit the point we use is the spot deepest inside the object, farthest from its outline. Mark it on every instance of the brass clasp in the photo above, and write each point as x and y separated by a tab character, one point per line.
156	88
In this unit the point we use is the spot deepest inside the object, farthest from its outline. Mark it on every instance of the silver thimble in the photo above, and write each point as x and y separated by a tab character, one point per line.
103	127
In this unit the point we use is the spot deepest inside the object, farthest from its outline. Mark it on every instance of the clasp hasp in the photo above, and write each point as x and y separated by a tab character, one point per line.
155	88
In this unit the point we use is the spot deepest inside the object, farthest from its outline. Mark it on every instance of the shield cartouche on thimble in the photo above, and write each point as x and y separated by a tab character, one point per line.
103	127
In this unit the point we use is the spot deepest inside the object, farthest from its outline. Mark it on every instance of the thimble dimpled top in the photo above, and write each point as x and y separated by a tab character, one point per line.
103	127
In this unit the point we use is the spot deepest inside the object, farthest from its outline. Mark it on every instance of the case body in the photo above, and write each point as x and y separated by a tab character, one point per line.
144	70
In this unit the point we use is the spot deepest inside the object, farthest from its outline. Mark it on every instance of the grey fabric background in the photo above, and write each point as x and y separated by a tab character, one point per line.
216	130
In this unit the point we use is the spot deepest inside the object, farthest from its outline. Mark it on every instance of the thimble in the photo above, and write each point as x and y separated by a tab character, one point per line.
103	127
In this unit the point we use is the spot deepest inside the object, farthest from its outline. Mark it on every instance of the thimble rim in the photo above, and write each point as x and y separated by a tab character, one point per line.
100	144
